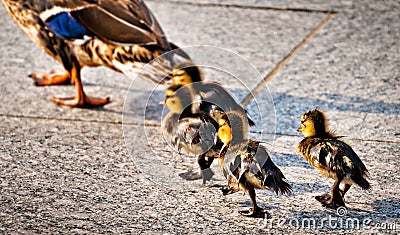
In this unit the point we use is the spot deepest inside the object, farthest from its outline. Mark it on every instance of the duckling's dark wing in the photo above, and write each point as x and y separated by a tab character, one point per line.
121	22
358	169
188	130
322	155
232	168
170	123
197	133
272	175
336	156
250	171
215	97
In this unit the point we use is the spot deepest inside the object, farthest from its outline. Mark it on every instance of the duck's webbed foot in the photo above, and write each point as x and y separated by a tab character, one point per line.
256	212
55	77
81	101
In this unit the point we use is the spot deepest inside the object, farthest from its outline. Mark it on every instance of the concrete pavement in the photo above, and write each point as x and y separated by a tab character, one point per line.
69	170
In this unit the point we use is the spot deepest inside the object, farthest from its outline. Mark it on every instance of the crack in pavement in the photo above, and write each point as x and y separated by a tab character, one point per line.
286	59
159	125
249	7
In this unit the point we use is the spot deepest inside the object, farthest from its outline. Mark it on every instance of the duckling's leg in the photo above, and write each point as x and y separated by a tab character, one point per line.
255	210
205	163
55	77
336	200
206	172
344	190
81	99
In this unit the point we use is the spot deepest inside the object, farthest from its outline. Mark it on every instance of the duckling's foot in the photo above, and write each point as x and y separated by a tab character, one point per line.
258	212
332	205
190	175
82	102
55	77
327	201
323	198
226	190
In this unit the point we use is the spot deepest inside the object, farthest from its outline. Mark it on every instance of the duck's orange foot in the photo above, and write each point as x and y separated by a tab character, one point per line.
82	102
55	77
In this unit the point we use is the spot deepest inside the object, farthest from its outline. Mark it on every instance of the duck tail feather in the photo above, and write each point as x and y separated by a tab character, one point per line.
277	184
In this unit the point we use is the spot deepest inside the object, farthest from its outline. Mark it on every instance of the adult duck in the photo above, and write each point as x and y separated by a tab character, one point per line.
122	35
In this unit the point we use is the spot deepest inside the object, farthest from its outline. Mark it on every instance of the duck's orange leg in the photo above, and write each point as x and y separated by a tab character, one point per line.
81	99
55	77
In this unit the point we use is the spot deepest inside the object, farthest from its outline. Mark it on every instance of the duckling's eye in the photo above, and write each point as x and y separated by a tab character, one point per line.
178	73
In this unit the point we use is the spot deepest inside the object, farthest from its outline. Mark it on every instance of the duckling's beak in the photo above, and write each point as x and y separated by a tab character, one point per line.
168	77
299	130
169	82
162	103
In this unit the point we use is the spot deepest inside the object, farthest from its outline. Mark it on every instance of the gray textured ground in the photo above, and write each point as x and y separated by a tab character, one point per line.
69	170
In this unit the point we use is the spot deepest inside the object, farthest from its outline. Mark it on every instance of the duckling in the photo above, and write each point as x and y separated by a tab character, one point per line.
195	133
185	73
119	34
246	163
214	98
331	157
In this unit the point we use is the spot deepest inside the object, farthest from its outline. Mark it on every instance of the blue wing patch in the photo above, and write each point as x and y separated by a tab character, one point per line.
66	27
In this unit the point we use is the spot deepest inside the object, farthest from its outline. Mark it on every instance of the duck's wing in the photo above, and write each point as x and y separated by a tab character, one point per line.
336	156
272	176
349	152
350	162
250	171
216	94
232	168
114	21
216	98
197	134
322	154
170	124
